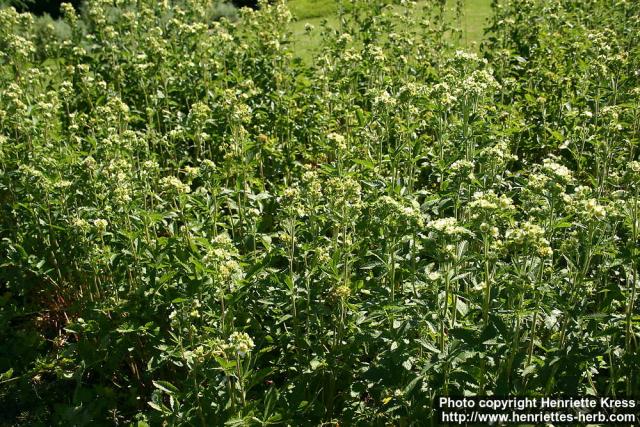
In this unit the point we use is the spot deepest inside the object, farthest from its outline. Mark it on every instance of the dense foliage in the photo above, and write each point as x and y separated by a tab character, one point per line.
198	228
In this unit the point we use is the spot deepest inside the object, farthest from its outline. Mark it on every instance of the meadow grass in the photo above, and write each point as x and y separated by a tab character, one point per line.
314	13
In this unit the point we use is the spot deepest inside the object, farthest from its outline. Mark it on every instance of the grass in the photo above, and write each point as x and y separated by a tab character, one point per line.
476	13
313	9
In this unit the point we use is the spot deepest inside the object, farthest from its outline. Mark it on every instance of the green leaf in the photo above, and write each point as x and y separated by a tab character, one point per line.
165	386
7	374
160	408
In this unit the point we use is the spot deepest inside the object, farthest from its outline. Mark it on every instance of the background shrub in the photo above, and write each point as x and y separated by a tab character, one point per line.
41	7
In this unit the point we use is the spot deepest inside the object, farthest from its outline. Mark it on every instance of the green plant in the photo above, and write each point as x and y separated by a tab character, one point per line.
198	227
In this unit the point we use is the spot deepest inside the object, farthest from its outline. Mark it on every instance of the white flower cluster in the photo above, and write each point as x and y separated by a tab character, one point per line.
478	83
489	201
80	224
337	139
444	94
344	39
448	227
344	194
377	53
528	234
555	170
382	98
490	230
594	210
498	153
313	185
292	202
200	112
221	259
463	169
172	184
100	225
240	343
399	213
342	292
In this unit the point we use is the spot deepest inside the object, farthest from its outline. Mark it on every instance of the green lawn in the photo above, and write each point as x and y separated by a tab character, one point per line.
475	17
309	9
314	12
